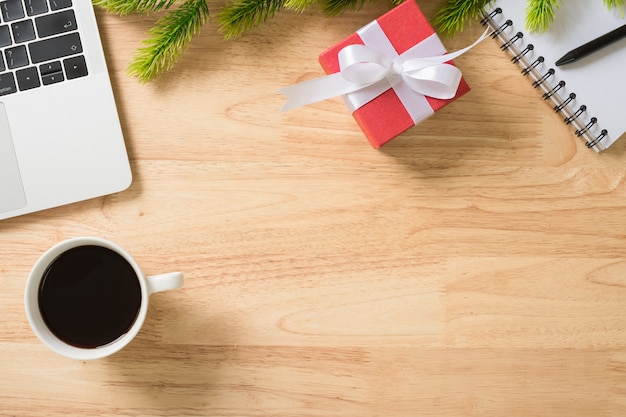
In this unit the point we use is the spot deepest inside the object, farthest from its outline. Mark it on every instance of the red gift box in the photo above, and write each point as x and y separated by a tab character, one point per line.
408	32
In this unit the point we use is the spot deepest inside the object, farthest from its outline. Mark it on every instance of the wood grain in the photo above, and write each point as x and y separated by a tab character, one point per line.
475	266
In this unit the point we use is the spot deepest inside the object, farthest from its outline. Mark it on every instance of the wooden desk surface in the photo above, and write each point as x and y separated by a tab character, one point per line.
476	266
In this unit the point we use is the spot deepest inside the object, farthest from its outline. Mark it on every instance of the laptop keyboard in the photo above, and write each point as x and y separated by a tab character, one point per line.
39	44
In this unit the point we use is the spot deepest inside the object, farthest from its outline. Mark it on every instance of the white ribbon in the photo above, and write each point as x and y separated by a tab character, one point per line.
367	72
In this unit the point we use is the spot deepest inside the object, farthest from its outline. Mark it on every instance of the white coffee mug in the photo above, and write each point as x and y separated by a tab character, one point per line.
73	290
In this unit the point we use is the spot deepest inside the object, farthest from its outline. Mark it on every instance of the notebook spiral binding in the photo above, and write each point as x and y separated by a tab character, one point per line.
534	66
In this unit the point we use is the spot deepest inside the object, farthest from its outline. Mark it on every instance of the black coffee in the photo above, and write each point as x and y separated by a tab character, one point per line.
89	296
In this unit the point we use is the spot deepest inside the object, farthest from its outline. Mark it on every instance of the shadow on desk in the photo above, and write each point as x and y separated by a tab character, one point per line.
159	374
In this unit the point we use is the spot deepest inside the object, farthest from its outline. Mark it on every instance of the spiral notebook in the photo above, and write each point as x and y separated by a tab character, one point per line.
589	93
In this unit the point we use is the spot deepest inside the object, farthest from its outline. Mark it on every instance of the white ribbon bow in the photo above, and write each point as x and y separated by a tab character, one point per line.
363	67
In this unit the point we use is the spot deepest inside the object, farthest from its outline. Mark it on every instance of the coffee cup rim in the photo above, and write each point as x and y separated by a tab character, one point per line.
36	321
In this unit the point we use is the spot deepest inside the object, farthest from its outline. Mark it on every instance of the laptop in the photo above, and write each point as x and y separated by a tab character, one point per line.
60	134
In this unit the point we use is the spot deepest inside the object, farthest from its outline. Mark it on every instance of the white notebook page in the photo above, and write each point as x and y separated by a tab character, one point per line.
598	80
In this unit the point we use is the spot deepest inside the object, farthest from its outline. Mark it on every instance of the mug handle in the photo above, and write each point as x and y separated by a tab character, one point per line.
164	282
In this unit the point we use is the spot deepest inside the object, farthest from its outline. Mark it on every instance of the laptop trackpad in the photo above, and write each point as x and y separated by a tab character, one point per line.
11	190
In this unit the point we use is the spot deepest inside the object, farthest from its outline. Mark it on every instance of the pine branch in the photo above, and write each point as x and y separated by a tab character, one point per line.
170	37
123	7
454	16
615	3
335	7
299	5
239	16
540	14
173	32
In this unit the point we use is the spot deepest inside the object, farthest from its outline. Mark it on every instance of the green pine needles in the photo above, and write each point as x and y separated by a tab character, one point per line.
615	3
239	16
540	13
181	20
455	15
170	36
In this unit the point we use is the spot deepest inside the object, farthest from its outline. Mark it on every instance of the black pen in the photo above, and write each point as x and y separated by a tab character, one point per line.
592	46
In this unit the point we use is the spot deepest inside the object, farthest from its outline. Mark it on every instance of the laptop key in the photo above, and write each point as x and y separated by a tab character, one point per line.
56	23
23	31
50	67
7	84
75	67
35	7
55	48
60	4
11	10
5	36
51	72
53	78
16	57
27	78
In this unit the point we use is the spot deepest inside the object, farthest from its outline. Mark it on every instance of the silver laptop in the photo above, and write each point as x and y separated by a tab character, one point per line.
60	135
